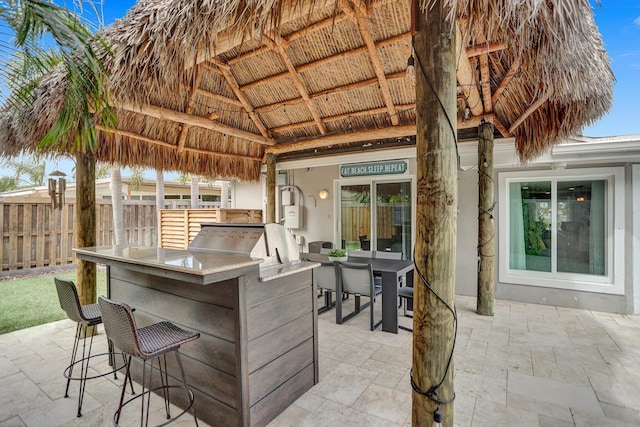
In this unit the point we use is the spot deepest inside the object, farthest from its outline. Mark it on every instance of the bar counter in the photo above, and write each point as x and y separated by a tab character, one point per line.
258	349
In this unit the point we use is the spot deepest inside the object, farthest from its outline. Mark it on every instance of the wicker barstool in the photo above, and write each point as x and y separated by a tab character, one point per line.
85	316
147	344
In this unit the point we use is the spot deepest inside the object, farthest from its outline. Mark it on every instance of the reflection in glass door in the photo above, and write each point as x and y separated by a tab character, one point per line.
355	216
377	220
393	218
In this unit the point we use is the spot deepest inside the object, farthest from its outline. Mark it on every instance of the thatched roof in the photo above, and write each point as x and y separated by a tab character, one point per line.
209	87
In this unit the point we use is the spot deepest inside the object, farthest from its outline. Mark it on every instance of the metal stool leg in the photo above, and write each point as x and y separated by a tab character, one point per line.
186	388
73	358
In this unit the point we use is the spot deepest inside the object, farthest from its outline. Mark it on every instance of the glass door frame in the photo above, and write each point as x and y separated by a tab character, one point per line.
372	181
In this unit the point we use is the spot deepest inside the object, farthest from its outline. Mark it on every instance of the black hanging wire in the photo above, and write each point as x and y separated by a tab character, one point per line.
432	392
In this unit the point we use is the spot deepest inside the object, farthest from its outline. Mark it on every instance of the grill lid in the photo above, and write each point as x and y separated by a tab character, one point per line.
271	242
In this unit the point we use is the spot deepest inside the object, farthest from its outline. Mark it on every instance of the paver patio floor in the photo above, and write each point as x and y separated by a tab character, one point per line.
529	365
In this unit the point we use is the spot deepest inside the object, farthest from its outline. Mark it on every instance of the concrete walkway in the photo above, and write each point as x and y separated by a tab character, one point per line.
529	365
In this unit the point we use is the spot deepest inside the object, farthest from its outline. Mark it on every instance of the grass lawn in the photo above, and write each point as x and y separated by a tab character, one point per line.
31	301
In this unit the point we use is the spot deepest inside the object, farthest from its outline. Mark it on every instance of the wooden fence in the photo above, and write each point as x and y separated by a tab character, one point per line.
179	226
34	235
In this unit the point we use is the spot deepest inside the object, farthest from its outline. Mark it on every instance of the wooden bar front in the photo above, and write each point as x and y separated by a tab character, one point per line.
257	351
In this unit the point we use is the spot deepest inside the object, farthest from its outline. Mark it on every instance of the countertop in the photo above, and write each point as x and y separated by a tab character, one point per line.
193	262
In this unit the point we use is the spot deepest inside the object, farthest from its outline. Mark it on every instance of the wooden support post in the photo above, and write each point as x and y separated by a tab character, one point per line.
437	191
85	225
271	188
486	232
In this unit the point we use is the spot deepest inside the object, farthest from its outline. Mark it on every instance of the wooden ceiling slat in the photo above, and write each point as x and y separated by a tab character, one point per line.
341	117
326	60
336	89
233	83
177	116
297	82
374	57
173	146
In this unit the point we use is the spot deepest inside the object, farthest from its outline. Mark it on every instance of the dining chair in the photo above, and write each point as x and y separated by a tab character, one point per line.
361	254
326	281
406	294
357	279
388	255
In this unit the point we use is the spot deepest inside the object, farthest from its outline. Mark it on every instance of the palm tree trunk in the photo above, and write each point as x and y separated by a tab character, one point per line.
159	202
85	224
194	192
116	205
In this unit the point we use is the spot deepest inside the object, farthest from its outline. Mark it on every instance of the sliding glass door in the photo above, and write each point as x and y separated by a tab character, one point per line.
376	216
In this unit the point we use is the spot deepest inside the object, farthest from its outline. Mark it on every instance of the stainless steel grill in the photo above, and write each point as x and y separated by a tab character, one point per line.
271	242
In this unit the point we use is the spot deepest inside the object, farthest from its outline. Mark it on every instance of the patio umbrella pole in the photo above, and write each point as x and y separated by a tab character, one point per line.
437	191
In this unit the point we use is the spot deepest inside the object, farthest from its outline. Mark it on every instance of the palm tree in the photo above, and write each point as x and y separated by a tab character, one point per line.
26	62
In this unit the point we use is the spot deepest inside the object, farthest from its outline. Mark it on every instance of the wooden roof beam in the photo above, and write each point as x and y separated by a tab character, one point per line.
219	97
344	138
475	121
182	139
173	146
327	60
337	89
233	83
340	117
515	66
465	74
373	54
297	82
485	48
179	117
485	78
529	111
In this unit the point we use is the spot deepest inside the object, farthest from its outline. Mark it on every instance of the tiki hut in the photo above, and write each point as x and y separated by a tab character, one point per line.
210	87
216	88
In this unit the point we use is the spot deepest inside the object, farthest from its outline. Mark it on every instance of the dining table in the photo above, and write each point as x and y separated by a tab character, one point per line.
391	270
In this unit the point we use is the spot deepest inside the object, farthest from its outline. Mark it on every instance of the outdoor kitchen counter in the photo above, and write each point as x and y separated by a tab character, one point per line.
258	346
193	266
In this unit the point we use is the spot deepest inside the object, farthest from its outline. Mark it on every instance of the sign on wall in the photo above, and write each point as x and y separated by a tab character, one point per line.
393	167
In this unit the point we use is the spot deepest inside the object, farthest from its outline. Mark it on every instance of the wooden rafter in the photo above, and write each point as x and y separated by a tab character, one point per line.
203	122
341	117
359	17
485	48
344	138
327	60
233	84
182	139
289	38
173	146
529	111
465	74
336	89
297	82
505	81
485	78
219	97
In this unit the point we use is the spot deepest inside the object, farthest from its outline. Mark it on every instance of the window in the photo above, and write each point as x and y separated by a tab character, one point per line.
563	230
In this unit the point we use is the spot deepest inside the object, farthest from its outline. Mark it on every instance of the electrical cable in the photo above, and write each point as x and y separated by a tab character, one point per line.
432	392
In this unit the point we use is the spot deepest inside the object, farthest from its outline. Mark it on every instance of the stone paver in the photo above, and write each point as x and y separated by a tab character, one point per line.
528	365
